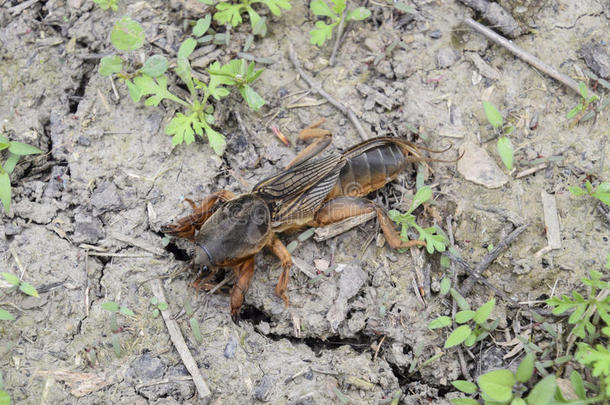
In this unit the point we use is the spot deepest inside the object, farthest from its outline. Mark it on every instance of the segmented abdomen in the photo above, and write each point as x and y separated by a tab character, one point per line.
368	171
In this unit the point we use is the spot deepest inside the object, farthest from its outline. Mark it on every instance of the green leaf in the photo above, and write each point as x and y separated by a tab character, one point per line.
574	111
321	34
505	149
155	66
183	70
126	311
254	100
461	301
423	195
445	285
464	401
576	191
186	48
518	401
20	148
465	386
196	330
163	306
110	306
5	398
320	8
339	6
471	339
28	289
458	336
229	13
127	35
483	313
202	25
543	392
601	196
578	385
464	316
405	9
11	279
582	87
5	191
589	187
526	368
493	115
110	65
6	316
440	322
10	163
216	139
358	14
180	127
498	384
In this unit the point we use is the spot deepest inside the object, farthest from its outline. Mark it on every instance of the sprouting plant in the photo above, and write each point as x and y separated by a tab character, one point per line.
151	82
598	358
505	146
585	101
587	311
114	309
324	31
5	398
433	236
157	306
473	324
193	322
601	192
22	286
230	13
107	4
16	150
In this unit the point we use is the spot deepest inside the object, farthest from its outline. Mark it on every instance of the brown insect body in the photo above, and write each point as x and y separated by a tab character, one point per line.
313	191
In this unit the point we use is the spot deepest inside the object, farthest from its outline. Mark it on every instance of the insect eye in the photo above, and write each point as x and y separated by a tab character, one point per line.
206	268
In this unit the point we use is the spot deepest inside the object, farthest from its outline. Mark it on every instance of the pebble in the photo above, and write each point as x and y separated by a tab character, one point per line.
106	197
446	57
597	58
477	166
146	368
436	34
87	228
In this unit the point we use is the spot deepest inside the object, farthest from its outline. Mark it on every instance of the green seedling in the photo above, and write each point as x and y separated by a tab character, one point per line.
5	398
231	13
22	286
598	358
107	4
587	311
193	322
601	192
15	151
151	82
585	102
157	306
324	31
433	236
115	309
505	146
473	324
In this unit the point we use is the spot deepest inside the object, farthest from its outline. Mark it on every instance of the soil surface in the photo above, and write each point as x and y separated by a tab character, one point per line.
84	225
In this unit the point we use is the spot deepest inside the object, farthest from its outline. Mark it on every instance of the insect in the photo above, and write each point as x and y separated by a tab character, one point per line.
228	230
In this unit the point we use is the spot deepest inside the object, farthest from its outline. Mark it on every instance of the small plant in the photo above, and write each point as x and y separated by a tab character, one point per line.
230	13
157	306
433	236
151	81
22	286
324	31
114	309
597	358
601	192
194	324
16	150
107	4
587	311
505	146
473	324
582	107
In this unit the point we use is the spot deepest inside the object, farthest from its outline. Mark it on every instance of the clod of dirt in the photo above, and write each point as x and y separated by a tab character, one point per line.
477	166
446	57
352	278
87	228
145	368
598	59
106	197
40	213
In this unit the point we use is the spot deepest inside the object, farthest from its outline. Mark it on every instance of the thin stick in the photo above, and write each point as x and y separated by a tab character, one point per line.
338	40
127	239
180	344
490	257
523	55
315	87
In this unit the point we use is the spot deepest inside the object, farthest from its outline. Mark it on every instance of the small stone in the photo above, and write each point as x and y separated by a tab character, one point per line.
87	228
10	229
230	348
373	45
57	182
83	141
106	197
446	57
477	166
385	68
264	388
436	34
597	58
146	368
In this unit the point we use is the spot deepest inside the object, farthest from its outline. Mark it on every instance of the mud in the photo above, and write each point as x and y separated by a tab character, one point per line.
109	176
